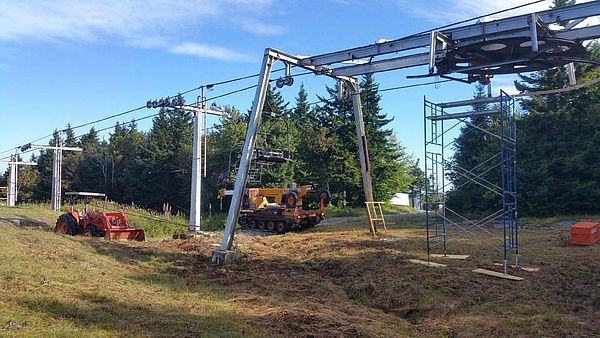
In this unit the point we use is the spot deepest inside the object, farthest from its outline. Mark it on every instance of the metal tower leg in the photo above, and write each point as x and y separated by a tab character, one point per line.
220	256
12	182
56	176
363	149
195	202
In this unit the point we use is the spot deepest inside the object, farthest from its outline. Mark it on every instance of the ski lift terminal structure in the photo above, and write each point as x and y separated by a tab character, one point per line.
522	43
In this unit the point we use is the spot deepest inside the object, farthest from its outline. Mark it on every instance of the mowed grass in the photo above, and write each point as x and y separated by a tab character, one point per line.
336	280
155	225
54	285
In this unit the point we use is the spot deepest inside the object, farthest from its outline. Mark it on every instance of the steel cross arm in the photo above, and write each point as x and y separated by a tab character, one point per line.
384	65
19	163
201	110
517	25
41	146
288	58
584	33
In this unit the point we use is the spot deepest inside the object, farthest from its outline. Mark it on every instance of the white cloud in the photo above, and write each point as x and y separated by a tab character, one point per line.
138	23
505	83
90	20
446	11
258	28
206	51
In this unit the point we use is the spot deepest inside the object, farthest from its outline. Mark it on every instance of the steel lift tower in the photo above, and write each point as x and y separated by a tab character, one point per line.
200	112
13	177
522	43
58	148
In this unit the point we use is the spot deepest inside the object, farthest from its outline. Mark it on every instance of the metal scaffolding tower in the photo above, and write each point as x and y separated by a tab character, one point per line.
496	174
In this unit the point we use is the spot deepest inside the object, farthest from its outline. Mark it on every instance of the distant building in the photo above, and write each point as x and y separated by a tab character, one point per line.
401	198
407	200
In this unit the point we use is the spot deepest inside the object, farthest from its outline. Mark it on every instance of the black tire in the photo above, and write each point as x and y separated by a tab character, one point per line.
262	225
291	199
312	221
245	202
93	231
281	227
325	195
66	224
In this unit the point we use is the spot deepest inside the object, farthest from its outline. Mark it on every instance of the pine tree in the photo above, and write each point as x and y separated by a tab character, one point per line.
162	170
224	152
473	152
390	165
276	131
558	144
389	161
70	159
44	167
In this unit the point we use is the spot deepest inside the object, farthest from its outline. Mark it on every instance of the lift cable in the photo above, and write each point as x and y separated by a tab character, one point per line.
254	86
535	93
277	70
141	107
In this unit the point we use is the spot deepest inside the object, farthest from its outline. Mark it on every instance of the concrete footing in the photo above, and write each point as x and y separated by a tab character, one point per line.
226	257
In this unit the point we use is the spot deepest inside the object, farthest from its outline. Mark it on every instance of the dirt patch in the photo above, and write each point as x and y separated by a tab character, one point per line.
25	222
339	281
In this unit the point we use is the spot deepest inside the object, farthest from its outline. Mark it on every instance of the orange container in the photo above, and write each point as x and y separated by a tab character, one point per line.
585	233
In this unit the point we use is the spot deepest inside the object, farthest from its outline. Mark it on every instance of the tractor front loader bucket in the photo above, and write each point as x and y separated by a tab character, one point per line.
118	228
125	235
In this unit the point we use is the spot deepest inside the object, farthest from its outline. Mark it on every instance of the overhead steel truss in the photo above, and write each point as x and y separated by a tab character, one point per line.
481	50
496	174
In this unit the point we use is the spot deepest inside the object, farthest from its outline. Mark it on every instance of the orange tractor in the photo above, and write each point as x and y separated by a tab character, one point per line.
112	225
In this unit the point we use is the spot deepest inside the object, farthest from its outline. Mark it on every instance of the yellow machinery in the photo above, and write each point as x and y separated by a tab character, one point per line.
279	209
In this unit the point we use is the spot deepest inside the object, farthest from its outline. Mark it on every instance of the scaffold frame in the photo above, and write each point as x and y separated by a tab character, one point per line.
445	225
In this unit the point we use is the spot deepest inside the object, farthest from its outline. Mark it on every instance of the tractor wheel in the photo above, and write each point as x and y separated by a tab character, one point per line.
325	195
93	231
271	226
261	225
281	228
312	221
66	225
252	224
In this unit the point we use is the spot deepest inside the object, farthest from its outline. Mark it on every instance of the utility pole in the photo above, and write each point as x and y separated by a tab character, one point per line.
55	196
13	176
198	168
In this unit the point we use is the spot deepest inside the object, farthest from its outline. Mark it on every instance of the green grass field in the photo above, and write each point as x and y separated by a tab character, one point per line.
333	281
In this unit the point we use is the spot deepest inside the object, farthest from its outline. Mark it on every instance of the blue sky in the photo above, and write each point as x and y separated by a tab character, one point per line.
76	61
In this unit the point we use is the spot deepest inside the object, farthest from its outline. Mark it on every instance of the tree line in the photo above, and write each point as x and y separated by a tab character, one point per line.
558	147
152	168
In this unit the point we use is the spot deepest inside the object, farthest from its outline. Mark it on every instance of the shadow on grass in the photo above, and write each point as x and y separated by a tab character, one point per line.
130	254
324	290
134	318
